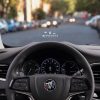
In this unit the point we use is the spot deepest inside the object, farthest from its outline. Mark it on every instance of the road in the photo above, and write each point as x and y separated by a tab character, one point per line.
74	33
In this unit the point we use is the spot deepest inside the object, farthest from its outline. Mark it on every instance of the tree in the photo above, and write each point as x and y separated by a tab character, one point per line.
71	5
8	8
38	14
91	6
58	5
12	13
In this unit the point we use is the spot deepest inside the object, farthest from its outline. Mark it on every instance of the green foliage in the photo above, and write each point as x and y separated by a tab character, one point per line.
9	7
71	5
12	13
58	5
38	14
91	6
46	1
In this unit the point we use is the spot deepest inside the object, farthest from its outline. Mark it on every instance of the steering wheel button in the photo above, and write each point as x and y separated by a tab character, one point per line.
20	84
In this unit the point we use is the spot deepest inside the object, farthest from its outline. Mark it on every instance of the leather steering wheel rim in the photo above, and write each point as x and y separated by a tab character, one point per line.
32	48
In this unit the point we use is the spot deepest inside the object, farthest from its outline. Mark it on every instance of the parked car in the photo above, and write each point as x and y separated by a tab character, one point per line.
98	25
11	26
3	21
17	25
23	26
30	25
93	21
36	24
3	27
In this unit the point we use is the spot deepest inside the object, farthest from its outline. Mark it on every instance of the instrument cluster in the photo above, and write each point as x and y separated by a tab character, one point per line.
49	66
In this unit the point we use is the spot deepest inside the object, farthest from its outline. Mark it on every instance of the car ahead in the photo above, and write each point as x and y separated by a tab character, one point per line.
93	21
72	20
49	23
43	23
53	23
69	19
11	25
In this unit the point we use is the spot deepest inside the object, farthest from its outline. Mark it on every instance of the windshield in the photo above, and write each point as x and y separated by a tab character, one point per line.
26	21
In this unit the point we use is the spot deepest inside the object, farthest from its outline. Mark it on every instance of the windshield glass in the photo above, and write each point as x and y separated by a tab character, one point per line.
26	21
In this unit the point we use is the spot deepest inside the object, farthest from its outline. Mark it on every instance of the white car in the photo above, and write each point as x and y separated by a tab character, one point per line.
93	21
72	20
3	28
4	24
48	24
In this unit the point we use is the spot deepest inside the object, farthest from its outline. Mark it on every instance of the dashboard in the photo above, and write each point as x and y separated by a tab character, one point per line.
50	61
46	63
49	66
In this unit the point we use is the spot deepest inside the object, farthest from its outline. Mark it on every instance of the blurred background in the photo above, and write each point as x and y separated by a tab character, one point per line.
44	19
28	13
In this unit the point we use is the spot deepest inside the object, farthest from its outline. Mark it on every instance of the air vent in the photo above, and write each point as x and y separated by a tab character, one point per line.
96	72
3	70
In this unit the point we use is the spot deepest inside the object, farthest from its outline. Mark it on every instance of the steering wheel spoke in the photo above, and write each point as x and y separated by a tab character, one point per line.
20	85
50	86
79	85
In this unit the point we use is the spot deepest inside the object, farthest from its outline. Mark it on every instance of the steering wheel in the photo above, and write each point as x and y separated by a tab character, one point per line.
49	86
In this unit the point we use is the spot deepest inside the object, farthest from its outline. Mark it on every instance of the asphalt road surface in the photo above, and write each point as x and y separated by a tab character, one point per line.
74	33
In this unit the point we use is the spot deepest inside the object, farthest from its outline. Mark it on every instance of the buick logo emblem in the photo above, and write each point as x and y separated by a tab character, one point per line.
50	85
